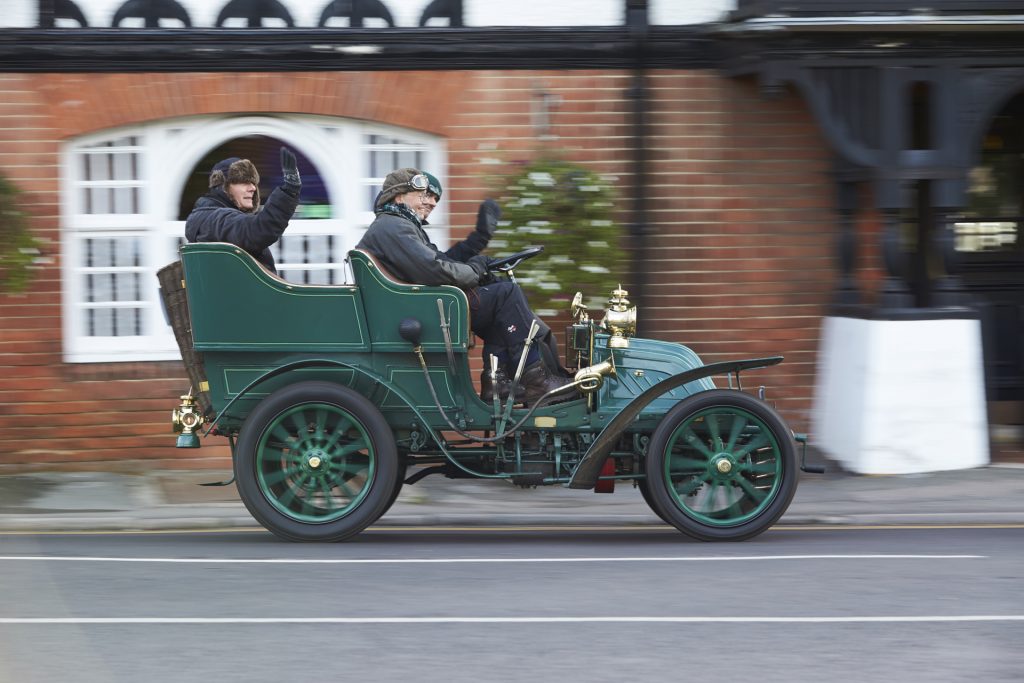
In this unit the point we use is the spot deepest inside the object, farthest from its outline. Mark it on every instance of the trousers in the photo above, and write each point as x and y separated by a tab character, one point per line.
501	316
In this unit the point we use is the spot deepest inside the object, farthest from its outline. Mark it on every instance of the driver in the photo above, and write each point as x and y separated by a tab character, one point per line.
499	312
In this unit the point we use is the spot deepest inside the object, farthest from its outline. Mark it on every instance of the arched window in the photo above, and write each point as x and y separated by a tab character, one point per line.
126	195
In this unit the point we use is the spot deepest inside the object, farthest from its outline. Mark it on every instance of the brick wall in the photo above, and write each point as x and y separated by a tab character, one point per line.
740	260
744	237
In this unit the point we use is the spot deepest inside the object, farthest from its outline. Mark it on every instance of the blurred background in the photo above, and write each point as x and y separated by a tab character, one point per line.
839	184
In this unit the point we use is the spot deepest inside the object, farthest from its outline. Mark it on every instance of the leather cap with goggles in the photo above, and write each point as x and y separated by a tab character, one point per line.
405	180
418	182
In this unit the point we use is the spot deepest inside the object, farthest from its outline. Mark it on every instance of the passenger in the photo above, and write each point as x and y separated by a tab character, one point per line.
231	211
499	312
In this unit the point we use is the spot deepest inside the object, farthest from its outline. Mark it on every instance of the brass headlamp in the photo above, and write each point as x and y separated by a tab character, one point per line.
619	319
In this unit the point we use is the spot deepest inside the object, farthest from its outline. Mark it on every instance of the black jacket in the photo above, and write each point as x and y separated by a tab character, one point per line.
404	248
215	218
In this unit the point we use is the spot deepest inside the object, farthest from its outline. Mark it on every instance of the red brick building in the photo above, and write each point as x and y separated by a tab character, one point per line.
735	255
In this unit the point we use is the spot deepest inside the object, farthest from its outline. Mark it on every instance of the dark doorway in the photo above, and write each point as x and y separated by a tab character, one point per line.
989	236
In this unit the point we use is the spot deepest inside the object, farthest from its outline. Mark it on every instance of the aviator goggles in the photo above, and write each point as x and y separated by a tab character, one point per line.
418	182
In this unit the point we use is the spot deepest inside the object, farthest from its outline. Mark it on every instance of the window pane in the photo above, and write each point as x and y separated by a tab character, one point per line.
124	200
98	167
316	255
100	288
407	159
111	279
128	322
109	181
123	167
100	199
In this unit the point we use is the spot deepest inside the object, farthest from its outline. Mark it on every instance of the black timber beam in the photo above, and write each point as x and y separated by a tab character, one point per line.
746	53
818	8
81	50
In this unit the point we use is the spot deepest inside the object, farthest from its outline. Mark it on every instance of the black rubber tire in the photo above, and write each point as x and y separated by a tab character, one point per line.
254	472
780	455
645	491
399	483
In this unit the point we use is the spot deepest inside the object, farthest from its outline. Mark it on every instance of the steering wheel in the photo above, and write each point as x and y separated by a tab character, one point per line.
507	263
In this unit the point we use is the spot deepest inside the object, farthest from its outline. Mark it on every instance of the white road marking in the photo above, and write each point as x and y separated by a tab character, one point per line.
470	560
22	621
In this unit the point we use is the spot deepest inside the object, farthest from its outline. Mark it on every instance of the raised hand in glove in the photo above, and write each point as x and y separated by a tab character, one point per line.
290	171
487	218
479	264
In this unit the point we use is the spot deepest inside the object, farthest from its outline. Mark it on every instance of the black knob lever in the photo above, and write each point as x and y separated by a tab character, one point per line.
411	330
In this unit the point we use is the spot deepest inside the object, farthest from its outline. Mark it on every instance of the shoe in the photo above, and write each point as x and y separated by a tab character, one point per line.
538	382
504	383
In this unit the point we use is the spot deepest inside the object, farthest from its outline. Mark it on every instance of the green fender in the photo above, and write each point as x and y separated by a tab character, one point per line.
587	472
325	362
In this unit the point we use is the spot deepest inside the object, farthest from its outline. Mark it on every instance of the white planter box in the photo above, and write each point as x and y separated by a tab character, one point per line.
901	396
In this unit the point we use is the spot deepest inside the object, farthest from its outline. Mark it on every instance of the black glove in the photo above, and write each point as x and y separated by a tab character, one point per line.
487	218
479	265
290	171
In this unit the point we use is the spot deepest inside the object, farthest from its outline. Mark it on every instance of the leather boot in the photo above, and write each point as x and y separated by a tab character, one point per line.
504	383
538	382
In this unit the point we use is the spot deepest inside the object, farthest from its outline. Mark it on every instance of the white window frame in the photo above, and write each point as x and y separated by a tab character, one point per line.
170	150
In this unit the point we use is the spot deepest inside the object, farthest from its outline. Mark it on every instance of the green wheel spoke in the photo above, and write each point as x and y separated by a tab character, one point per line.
692	485
763	468
709	499
751	490
344	486
275	451
350	468
291	492
274	478
693	440
339	430
689	464
759	442
716	438
307	507
325	488
739	423
299	423
351	448
282	434
320	422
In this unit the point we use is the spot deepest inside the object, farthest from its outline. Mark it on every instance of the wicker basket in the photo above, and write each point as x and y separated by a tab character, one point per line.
172	293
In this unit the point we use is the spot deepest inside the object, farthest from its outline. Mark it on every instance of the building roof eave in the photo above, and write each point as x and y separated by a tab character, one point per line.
901	23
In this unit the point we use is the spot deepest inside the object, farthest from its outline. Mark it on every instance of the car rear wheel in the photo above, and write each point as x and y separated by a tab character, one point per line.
316	461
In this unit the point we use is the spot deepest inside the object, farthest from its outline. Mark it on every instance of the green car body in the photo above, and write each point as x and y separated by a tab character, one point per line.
299	364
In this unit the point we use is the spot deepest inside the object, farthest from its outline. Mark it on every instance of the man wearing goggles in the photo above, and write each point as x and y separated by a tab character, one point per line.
499	312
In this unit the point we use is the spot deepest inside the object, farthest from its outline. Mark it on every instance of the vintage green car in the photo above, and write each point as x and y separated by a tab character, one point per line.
334	396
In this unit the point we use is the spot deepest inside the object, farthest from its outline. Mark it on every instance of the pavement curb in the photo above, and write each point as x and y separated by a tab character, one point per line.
242	521
169	500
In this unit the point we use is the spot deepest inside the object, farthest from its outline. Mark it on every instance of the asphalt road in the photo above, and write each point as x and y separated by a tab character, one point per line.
839	604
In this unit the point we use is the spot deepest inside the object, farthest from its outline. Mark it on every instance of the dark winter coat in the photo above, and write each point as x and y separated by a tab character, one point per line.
398	240
215	218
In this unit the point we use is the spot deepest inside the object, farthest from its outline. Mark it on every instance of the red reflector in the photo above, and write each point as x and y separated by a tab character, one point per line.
606	485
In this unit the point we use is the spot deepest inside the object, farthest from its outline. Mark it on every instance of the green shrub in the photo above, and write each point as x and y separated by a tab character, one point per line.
567	209
18	248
